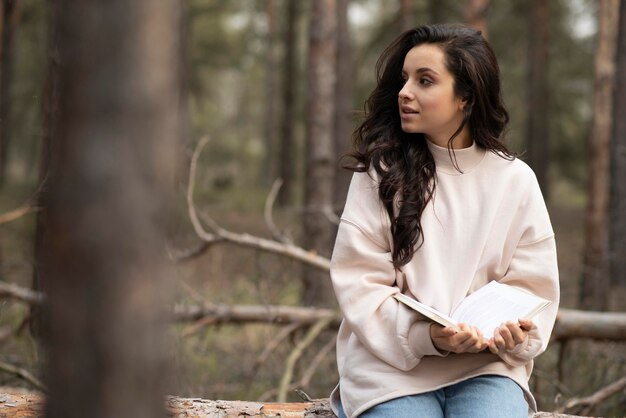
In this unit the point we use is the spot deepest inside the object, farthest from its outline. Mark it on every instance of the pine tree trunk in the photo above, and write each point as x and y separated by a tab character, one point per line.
287	139
343	101
110	183
436	10
594	292
9	22
618	162
407	15
537	140
475	15
50	116
320	150
271	84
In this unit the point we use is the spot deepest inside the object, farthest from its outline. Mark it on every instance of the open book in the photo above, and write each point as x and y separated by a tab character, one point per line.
487	308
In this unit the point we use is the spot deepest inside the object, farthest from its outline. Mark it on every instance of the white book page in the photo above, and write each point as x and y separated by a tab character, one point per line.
426	310
495	303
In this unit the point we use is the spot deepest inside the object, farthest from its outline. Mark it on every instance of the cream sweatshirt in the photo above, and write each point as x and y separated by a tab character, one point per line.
487	223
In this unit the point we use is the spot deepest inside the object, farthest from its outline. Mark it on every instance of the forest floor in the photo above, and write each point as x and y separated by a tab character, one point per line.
222	362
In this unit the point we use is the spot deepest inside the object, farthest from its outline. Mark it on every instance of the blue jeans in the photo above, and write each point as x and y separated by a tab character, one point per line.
479	397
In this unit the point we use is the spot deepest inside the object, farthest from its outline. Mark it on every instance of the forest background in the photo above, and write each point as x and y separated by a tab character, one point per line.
276	87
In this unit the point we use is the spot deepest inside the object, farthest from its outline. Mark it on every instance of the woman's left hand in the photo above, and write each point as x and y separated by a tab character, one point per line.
509	335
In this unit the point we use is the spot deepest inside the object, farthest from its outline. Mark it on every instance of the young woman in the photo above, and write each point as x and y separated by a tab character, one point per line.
437	208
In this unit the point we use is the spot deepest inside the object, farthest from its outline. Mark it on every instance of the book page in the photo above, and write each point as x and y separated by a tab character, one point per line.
495	303
426	310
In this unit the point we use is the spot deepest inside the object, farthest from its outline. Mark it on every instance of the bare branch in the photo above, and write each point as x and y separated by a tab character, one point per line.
17	213
309	372
308	339
572	323
178	255
255	314
269	219
23	374
589	402
20	293
274	343
247	240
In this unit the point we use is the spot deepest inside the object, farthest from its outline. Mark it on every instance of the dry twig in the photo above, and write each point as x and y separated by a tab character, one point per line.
308	373
274	343
269	218
20	293
17	213
246	240
308	339
589	402
23	374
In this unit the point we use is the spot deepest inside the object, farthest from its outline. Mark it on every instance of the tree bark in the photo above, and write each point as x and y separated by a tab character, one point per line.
436	10
594	292
111	179
271	84
287	141
10	14
475	15
537	139
320	112
407	15
618	162
343	101
22	406
50	116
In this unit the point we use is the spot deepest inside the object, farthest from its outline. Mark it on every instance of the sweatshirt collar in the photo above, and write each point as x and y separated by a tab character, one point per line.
466	158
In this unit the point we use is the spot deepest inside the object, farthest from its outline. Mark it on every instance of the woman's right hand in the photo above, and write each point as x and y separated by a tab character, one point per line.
464	339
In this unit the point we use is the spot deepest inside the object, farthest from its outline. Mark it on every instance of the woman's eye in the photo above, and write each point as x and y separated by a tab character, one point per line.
426	81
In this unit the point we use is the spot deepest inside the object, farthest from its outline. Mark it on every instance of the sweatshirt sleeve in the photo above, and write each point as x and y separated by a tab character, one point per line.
363	278
533	267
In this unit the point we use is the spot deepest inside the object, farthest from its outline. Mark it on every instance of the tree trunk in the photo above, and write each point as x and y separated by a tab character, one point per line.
537	140
320	111
50	116
436	10
111	174
618	162
407	15
287	140
271	85
475	15
9	22
343	101
594	291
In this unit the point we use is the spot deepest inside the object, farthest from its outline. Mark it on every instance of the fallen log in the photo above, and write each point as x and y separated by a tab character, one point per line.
32	406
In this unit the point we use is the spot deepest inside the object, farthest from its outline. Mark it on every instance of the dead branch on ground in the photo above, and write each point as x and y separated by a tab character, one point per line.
20	293
275	343
255	314
572	323
22	374
297	352
587	403
17	213
247	240
32	405
308	373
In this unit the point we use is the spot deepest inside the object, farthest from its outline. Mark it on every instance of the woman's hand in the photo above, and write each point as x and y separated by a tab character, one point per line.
507	336
465	339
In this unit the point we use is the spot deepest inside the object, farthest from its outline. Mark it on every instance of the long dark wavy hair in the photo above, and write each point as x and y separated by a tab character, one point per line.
404	164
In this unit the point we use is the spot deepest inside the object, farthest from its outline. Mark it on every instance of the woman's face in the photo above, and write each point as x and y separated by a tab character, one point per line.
427	101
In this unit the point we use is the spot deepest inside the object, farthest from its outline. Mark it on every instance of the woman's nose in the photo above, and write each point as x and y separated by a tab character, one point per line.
405	94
